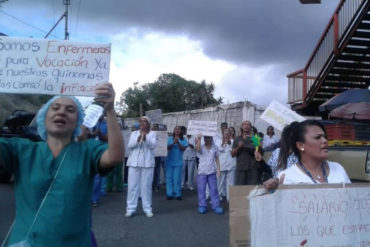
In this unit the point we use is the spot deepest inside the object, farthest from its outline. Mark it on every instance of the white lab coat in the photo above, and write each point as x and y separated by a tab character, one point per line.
141	169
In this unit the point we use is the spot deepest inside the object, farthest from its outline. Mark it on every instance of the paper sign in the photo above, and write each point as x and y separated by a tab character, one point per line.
126	138
279	115
155	116
92	114
311	217
206	128
161	148
57	67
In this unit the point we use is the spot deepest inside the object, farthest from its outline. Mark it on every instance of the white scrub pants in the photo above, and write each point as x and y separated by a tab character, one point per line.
190	165
140	181
226	179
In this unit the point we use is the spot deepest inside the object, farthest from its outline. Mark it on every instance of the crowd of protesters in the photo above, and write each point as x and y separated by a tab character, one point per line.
209	165
205	163
218	162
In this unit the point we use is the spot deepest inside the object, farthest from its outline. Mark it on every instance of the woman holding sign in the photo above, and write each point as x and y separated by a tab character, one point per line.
53	179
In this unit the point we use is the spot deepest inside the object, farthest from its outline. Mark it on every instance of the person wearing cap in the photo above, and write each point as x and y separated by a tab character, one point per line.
54	177
141	165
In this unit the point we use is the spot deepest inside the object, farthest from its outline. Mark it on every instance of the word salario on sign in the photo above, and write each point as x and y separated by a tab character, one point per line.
312	217
52	67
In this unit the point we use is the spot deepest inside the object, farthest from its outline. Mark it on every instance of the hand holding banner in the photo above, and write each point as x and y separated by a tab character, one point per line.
279	115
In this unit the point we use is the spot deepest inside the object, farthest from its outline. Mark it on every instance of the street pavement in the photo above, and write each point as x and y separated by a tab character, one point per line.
175	223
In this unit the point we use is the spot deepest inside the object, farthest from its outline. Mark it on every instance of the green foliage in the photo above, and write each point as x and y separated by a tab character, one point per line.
170	93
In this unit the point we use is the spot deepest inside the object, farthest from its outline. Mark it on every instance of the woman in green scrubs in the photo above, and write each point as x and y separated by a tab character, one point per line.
63	170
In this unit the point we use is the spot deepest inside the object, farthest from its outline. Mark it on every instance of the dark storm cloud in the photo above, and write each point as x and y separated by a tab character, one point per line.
242	31
252	32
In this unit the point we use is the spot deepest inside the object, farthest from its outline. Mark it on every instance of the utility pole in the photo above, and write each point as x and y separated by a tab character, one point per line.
65	15
66	34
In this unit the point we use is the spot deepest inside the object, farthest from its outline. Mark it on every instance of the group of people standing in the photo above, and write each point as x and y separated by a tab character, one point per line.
226	160
54	178
220	161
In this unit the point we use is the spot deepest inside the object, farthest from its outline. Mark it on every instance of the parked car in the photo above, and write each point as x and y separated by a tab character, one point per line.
19	124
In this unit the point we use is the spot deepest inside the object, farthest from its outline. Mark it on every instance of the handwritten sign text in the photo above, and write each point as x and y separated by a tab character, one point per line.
37	66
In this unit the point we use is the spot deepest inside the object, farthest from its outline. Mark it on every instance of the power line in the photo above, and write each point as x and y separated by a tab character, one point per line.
25	23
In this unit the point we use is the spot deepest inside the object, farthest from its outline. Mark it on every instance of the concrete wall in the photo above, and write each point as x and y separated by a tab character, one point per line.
233	114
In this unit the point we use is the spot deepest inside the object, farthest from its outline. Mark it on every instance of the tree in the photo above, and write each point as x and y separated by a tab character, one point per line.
170	93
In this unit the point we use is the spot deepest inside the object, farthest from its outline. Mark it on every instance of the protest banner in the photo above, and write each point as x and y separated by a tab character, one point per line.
279	115
155	116
161	148
301	215
206	128
56	67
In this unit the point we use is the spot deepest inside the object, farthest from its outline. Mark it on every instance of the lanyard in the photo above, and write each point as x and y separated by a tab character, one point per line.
310	175
25	242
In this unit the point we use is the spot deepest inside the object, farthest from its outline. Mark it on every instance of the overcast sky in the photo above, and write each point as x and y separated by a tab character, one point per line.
245	47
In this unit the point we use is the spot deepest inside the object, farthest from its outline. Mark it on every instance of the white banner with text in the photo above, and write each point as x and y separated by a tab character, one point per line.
279	116
55	67
206	128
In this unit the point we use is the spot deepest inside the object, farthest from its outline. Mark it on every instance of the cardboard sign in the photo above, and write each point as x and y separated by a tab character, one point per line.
206	128
279	115
57	67
155	116
301	215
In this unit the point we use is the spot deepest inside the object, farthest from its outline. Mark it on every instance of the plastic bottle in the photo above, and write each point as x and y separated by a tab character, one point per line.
92	114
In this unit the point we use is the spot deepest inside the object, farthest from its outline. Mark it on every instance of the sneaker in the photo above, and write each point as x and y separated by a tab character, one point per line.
219	210
129	214
149	214
202	210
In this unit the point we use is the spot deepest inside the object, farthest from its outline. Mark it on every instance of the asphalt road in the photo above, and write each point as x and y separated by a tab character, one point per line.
175	223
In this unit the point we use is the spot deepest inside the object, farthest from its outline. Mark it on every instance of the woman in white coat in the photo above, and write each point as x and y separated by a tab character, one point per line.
141	168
